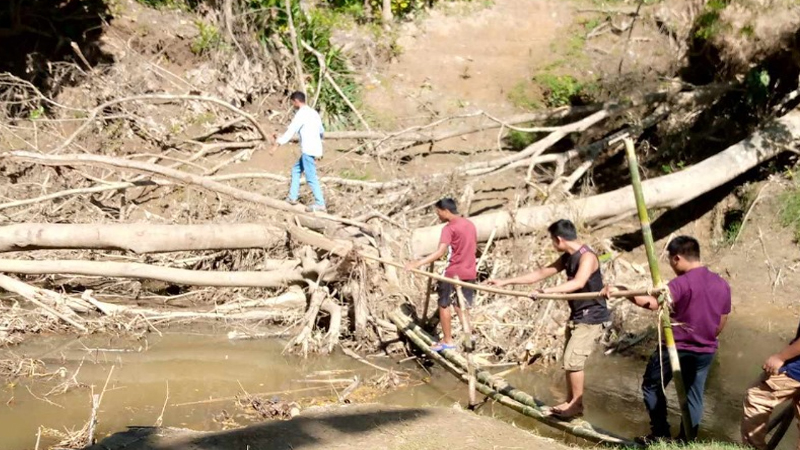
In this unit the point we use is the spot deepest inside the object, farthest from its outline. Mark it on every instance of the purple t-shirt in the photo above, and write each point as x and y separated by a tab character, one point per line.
701	298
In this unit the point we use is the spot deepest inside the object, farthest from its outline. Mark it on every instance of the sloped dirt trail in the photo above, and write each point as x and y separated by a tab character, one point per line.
458	59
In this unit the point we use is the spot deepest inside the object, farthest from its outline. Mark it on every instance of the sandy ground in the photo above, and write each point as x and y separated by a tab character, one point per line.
357	426
455	60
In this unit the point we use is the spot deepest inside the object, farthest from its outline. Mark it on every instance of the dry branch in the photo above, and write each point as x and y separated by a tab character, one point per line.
298	63
41	298
662	192
275	278
421	137
327	75
254	315
537	148
185	177
138	237
171	97
317	298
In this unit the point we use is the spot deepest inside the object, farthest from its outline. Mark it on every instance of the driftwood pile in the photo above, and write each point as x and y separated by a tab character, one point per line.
101	237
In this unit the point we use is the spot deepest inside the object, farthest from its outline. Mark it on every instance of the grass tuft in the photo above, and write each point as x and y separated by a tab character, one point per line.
790	210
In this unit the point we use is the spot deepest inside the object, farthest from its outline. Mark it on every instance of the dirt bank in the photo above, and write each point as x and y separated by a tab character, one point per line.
357	426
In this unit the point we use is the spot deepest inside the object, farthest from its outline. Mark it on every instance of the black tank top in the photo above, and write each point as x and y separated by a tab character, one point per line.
586	311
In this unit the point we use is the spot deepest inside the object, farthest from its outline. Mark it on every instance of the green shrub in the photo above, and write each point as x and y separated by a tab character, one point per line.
559	89
708	24
315	29
518	140
207	39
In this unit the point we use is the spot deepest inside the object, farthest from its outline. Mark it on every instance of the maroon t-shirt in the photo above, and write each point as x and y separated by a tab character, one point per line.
700	299
461	237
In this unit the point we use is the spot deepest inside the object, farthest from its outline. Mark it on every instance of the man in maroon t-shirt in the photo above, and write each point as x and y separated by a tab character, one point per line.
459	241
701	302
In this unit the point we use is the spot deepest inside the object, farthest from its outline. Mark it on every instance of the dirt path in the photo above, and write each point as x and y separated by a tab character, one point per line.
358	426
455	60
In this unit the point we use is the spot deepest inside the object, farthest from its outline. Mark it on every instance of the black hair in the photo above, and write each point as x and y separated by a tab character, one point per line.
297	95
448	204
685	246
564	229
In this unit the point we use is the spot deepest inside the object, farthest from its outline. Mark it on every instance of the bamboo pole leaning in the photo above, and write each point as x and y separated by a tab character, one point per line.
462	303
664	298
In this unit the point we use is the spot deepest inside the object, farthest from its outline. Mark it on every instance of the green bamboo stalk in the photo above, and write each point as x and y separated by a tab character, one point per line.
655	273
500	391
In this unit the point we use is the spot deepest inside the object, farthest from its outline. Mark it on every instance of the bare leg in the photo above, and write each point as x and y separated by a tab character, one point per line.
445	318
574	404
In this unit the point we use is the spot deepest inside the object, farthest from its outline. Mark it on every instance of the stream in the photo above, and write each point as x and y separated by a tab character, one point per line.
199	365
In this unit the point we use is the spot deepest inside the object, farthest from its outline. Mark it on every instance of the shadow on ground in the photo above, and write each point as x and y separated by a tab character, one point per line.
330	430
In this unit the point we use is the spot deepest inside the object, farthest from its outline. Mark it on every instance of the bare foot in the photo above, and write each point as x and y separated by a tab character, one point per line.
567	411
560	407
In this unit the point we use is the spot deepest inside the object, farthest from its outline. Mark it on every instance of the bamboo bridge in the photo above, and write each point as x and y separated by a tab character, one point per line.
501	391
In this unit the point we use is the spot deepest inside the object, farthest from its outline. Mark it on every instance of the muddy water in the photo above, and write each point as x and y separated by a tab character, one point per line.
195	367
200	366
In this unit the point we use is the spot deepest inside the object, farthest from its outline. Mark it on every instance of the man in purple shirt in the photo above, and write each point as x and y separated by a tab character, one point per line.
701	304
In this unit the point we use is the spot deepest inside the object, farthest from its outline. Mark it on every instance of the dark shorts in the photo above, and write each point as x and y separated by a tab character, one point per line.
448	296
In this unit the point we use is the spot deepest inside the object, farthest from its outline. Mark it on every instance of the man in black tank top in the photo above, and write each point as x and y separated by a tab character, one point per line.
586	317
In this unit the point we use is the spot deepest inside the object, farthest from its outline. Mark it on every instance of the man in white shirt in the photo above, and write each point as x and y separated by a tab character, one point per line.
308	125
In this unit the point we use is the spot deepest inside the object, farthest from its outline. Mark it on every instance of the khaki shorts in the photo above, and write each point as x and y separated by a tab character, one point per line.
581	340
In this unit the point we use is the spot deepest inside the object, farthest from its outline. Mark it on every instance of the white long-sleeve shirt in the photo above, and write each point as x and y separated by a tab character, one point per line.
308	124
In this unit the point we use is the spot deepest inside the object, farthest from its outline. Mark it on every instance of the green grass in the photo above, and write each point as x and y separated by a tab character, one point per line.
518	140
790	210
696	446
559	89
352	174
523	96
166	4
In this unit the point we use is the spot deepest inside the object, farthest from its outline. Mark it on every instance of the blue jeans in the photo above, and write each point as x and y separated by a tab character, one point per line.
306	164
694	371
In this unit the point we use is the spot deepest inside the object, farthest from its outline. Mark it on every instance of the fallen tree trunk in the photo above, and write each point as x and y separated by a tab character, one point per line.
275	278
112	309
662	192
185	177
44	299
138	237
294	298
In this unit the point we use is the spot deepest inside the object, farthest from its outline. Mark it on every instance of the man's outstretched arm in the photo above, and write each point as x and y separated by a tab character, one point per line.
533	277
587	265
435	256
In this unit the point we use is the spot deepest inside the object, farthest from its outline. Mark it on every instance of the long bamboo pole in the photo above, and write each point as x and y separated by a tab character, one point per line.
499	291
655	273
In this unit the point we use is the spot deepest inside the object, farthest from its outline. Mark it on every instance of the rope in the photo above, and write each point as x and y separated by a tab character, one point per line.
508	292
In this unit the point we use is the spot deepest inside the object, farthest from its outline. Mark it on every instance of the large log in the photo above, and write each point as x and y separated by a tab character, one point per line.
663	192
312	219
138	237
275	278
